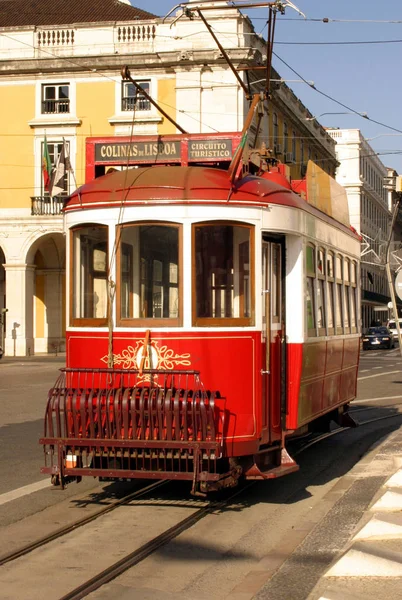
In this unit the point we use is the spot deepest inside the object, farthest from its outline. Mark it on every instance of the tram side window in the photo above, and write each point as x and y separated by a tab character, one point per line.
330	292
223	275
148	263
320	291
346	296
339	293
276	283
353	296
310	296
89	274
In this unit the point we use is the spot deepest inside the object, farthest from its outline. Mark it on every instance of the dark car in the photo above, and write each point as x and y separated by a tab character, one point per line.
378	337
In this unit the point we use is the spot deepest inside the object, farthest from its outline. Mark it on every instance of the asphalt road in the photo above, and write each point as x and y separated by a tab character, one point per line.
223	552
24	384
23	389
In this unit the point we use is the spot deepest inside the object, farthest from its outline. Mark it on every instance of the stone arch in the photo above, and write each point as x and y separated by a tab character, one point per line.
2	279
47	256
2	300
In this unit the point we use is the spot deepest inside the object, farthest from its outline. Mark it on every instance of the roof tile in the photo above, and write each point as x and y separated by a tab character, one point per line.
20	13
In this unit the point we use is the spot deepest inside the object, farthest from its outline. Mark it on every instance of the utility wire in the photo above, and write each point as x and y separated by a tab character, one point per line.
330	20
347	43
312	86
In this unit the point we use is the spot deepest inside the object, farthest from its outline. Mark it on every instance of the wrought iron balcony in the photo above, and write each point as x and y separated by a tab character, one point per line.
44	205
135	103
56	106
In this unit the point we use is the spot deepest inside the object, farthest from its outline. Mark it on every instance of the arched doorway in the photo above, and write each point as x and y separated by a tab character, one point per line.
2	280
2	301
47	255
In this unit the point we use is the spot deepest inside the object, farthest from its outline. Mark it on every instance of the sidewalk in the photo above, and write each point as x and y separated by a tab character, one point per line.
370	567
37	358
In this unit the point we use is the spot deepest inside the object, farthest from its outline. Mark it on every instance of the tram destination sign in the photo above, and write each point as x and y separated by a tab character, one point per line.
137	151
210	148
159	150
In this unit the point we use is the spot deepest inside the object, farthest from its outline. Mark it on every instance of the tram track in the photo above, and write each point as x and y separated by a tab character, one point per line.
79	523
140	554
148	548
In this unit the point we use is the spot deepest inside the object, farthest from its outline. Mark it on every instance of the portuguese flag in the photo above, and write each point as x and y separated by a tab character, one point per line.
46	165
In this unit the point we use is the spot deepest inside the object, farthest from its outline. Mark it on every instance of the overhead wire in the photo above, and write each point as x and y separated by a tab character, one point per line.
342	43
115	78
67	59
349	108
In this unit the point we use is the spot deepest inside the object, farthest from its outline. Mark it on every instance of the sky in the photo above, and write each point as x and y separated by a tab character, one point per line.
363	77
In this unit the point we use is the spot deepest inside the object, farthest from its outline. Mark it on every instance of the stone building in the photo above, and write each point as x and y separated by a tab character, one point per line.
365	179
61	84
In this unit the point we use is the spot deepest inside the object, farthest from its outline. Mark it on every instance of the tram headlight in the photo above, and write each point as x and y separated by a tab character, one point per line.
71	461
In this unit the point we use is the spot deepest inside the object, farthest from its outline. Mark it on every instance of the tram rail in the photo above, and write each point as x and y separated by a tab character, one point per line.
145	550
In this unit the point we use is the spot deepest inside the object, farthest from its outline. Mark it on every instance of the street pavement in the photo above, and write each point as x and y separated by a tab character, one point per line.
370	566
37	358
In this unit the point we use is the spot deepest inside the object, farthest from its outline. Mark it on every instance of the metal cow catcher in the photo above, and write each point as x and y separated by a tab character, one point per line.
210	318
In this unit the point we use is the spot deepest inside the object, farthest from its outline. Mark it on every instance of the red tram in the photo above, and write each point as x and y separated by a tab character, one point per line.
208	323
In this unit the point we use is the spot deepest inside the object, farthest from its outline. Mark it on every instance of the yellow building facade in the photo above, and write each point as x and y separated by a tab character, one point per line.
61	82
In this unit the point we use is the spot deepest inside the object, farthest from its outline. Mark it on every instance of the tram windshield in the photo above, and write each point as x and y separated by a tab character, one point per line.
90	264
148	261
223	288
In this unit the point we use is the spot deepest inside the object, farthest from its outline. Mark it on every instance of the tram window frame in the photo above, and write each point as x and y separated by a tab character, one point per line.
276	283
320	292
346	295
210	321
329	290
339	294
311	318
353	290
141	274
102	274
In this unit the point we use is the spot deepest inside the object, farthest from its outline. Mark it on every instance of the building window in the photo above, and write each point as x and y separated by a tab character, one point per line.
275	131
294	146
132	99
54	149
285	138
55	98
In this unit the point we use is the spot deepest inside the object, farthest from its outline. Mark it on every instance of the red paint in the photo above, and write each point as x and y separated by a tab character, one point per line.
230	362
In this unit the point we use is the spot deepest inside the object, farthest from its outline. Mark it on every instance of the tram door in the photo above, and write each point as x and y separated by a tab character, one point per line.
272	337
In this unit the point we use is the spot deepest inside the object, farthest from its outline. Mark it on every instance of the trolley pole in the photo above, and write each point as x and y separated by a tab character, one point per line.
387	262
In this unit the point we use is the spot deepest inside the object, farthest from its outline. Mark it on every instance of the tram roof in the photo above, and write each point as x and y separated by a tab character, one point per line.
182	185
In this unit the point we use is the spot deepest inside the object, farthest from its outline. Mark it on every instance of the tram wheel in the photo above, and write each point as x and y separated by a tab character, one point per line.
55	480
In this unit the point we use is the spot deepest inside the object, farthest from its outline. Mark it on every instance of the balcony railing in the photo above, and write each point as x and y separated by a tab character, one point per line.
56	106
135	103
43	205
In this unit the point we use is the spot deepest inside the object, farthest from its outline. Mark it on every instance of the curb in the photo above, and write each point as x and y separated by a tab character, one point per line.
374	553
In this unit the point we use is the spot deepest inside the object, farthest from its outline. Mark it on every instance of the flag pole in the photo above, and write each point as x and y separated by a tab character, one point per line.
70	168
